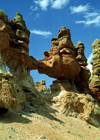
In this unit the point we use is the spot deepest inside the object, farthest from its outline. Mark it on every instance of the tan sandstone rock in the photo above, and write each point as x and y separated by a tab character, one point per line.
61	55
41	86
72	103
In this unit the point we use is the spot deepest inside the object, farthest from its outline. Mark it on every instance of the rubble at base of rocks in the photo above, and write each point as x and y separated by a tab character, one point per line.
69	101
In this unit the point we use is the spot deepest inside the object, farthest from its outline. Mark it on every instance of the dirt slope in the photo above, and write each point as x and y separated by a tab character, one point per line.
36	122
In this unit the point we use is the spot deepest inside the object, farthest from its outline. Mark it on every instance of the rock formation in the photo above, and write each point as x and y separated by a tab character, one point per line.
95	78
17	86
80	54
4	40
18	59
70	93
41	86
81	81
76	105
11	95
60	61
65	61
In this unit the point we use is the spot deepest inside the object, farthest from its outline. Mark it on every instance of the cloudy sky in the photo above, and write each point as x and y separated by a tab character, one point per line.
45	17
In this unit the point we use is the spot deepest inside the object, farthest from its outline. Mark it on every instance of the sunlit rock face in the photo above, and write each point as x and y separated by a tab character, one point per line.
41	86
60	61
95	78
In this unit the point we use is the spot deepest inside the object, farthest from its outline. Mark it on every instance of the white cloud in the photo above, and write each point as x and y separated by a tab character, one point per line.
79	9
32	8
51	1
95	21
58	4
35	8
90	58
79	22
42	3
39	32
91	15
37	15
90	18
89	66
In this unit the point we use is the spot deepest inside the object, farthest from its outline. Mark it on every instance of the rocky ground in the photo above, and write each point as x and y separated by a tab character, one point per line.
40	123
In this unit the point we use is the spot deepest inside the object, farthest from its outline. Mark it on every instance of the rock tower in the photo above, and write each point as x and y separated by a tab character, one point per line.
95	78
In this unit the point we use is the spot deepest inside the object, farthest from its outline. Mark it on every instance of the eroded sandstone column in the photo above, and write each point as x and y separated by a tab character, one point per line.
11	93
19	60
82	80
95	78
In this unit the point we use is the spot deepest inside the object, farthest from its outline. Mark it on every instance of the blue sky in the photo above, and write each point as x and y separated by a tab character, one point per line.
45	17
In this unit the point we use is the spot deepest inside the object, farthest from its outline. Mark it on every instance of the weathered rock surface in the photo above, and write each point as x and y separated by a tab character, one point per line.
67	100
95	78
80	54
61	55
81	81
11	93
17	86
41	86
65	61
4	40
